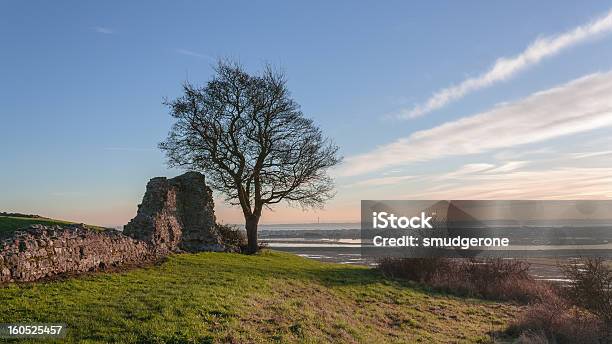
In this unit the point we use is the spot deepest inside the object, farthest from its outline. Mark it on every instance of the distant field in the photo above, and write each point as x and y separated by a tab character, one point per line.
9	224
269	297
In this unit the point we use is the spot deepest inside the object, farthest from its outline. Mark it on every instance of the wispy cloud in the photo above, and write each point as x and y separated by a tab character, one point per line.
469	169
578	106
506	67
382	181
103	30
548	183
517	154
194	54
583	155
560	178
509	166
478	169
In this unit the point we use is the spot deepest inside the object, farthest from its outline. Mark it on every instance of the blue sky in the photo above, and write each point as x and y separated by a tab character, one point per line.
82	86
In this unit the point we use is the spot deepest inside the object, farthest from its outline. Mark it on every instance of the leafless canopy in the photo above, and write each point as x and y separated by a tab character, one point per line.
249	137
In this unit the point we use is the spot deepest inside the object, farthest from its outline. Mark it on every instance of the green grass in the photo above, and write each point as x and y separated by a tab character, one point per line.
269	297
9	224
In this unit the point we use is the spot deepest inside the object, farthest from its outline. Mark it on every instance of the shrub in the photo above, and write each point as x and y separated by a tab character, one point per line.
581	312
558	322
496	279
232	237
414	269
533	337
578	313
590	287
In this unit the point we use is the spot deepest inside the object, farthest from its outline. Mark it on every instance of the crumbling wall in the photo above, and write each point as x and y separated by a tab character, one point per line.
177	214
44	251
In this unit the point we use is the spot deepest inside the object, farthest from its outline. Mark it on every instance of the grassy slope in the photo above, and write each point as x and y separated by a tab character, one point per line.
220	297
9	224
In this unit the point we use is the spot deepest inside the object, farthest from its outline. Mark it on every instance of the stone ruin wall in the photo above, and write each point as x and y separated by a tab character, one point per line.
41	251
176	215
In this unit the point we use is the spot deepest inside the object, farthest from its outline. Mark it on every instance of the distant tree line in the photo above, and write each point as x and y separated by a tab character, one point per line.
31	216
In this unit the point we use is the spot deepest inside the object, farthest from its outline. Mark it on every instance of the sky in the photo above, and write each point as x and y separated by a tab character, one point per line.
426	100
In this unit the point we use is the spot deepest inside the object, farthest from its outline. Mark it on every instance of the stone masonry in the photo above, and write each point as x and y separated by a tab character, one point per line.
42	251
176	215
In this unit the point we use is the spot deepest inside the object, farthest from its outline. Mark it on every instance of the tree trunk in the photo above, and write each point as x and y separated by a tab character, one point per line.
251	229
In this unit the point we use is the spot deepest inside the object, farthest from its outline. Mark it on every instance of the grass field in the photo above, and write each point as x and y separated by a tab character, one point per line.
269	297
9	224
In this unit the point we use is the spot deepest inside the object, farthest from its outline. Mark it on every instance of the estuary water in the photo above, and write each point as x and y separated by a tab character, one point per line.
341	243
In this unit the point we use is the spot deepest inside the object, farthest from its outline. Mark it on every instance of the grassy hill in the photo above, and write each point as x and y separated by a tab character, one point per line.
269	297
9	224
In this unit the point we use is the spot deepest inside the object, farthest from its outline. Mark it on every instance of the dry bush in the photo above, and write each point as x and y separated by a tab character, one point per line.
414	269
504	279
496	279
559	322
498	269
590	287
578	313
533	337
232	237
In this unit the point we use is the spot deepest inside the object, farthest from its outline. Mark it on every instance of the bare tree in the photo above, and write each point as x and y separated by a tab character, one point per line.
250	139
